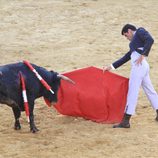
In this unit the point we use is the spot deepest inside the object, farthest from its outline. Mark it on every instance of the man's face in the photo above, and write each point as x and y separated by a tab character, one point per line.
128	34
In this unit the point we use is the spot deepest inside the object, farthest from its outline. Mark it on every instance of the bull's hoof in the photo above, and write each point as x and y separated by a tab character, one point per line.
34	130
17	126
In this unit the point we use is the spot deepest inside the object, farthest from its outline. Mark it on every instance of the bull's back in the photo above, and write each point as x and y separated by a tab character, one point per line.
10	78
10	83
10	73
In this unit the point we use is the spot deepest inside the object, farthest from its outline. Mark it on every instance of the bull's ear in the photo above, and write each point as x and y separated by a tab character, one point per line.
54	75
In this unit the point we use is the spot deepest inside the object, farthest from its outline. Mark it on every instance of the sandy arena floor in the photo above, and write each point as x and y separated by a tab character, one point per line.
64	35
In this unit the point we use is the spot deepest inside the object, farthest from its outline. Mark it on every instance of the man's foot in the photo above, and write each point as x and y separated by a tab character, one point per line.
156	119
122	125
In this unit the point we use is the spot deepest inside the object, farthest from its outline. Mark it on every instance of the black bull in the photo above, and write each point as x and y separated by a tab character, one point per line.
11	89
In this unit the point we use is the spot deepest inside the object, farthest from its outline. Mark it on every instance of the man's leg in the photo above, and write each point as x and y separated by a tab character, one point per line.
150	93
132	97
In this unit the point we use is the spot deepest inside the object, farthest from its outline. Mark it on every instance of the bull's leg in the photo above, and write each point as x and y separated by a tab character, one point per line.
17	115
33	127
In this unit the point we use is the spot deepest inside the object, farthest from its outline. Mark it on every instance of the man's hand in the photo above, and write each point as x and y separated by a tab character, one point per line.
106	68
139	60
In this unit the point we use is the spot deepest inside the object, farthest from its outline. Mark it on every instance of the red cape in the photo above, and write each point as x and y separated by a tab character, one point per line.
95	96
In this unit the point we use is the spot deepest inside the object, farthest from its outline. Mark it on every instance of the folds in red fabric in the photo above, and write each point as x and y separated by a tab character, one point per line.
95	96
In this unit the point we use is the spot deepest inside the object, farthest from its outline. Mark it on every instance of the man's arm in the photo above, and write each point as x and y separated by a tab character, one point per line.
119	62
122	60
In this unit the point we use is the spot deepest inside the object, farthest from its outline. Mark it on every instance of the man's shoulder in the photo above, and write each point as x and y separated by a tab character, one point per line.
142	33
140	30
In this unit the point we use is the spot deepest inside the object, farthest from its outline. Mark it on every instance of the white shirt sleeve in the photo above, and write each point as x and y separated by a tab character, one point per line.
112	67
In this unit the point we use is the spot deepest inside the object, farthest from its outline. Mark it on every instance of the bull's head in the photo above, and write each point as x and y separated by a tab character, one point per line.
50	98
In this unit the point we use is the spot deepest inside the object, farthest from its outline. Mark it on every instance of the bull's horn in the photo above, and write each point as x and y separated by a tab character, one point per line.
66	78
1	73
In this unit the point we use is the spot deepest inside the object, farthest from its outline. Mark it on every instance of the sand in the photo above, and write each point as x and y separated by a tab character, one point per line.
65	35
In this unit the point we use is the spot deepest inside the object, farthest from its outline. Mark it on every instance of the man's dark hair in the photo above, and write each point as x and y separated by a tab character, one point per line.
126	27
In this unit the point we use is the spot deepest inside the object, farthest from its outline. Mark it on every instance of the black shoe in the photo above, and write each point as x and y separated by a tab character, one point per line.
122	125
156	119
